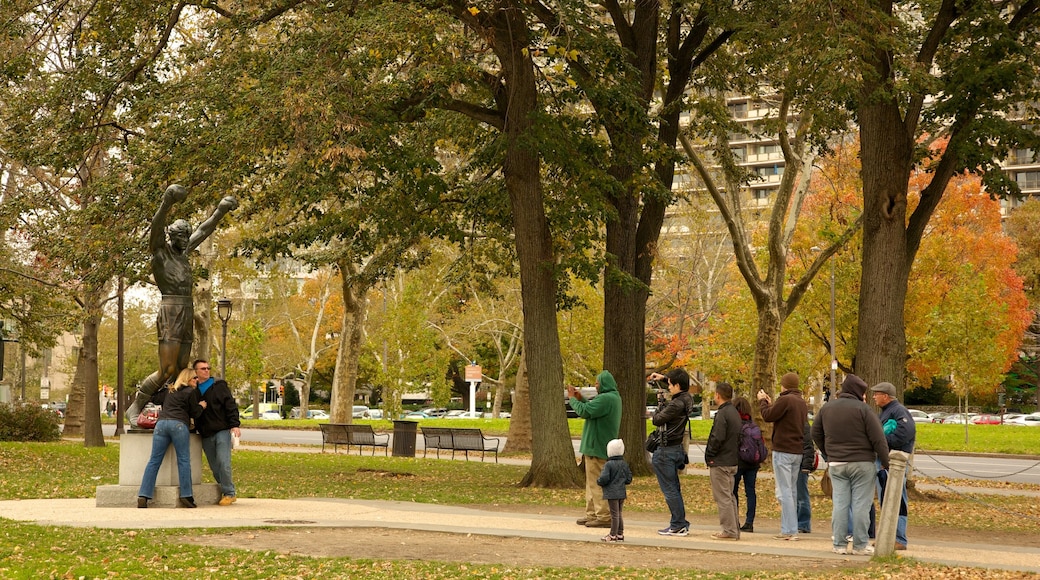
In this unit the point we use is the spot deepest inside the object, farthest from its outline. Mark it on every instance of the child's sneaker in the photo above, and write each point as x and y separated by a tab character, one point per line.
610	538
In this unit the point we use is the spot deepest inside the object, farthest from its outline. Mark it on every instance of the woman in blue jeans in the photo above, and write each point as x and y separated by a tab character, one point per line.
746	471
180	405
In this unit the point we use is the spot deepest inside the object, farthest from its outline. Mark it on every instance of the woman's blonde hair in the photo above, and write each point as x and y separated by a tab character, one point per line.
183	379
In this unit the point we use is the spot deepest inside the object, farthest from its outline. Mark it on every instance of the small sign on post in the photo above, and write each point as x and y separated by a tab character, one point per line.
473	376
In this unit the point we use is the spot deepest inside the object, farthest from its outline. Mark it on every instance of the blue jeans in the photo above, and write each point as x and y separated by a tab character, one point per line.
667	462
903	506
749	476
804	503
785	469
853	487
167	432
218	454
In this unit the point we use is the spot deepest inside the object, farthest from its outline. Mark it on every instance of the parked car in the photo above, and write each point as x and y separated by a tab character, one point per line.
375	413
958	418
938	416
361	412
415	415
460	414
271	416
650	410
1025	420
985	420
434	412
311	413
919	416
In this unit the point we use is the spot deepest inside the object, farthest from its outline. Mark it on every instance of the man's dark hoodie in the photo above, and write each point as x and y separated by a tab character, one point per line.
846	430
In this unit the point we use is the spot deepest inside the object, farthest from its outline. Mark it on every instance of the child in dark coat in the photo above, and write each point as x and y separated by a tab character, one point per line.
615	476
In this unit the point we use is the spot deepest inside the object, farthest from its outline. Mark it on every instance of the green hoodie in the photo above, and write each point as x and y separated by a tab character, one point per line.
602	416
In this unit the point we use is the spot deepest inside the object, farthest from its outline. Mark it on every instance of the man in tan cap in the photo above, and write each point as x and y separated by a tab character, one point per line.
901	435
789	416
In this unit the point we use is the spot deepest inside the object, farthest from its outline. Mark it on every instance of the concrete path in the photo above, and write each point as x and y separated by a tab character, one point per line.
438	518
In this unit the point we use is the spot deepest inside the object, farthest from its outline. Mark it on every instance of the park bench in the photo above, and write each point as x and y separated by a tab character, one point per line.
436	438
459	439
336	434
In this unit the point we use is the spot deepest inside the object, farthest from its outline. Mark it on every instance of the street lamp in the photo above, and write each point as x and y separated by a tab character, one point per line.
834	358
224	314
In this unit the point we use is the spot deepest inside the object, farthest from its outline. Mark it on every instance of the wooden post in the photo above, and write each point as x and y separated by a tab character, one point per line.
885	544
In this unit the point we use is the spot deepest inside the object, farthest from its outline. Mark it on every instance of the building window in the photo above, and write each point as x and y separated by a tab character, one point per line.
1028	179
738	110
1022	156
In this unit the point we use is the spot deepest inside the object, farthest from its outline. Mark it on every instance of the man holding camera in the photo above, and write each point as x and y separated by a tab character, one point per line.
602	415
670	457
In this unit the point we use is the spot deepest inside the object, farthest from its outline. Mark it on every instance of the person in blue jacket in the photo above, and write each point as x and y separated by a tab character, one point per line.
901	435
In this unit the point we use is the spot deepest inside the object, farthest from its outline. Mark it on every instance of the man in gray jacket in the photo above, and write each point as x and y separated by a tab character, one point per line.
850	438
720	454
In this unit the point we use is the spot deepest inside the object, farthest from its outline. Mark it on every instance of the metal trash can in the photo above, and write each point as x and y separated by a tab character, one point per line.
404	438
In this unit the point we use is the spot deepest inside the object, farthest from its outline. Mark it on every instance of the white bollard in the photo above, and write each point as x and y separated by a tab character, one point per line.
885	543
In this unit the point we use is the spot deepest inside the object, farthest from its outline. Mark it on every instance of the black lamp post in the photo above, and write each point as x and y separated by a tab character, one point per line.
224	314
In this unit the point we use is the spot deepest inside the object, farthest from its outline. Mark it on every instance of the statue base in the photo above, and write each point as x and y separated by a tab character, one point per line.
135	448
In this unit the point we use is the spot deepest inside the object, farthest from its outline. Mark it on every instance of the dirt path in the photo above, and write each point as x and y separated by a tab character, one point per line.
393	544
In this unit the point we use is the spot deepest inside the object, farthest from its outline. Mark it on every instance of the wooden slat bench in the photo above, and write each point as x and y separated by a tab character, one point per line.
337	434
459	439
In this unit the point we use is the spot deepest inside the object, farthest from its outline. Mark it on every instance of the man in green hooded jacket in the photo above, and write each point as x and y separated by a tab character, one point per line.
602	415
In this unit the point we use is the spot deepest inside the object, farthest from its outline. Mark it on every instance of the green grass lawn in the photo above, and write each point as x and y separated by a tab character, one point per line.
930	437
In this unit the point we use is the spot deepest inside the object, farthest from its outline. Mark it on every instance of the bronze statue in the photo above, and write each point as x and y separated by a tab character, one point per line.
172	272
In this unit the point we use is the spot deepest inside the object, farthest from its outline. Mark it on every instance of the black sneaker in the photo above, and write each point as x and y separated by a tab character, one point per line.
747	528
142	501
188	502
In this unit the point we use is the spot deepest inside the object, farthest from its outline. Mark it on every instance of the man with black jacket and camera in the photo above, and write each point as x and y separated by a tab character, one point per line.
670	457
218	423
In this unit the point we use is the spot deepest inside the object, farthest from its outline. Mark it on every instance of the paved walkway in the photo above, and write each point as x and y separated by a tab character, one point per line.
325	512
430	517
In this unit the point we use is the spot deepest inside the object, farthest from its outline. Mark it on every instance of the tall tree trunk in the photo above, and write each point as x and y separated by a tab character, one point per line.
85	381
519	438
632	237
344	378
552	462
624	329
881	340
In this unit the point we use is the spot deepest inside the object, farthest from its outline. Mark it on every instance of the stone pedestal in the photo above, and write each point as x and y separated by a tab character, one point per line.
135	448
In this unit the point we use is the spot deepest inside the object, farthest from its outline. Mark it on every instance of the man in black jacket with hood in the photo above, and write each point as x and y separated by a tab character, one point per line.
218	423
850	437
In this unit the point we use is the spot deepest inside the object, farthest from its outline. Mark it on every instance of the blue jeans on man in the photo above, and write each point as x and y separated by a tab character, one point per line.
667	461
218	454
853	487
785	469
167	432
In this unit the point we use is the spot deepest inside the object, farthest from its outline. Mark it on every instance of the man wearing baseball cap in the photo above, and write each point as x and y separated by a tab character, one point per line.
901	435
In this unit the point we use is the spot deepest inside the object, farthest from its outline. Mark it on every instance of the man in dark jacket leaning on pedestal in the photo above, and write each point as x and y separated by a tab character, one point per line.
218	423
720	455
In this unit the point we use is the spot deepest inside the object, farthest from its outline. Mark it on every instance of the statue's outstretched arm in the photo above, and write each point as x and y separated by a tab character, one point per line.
207	227
157	235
